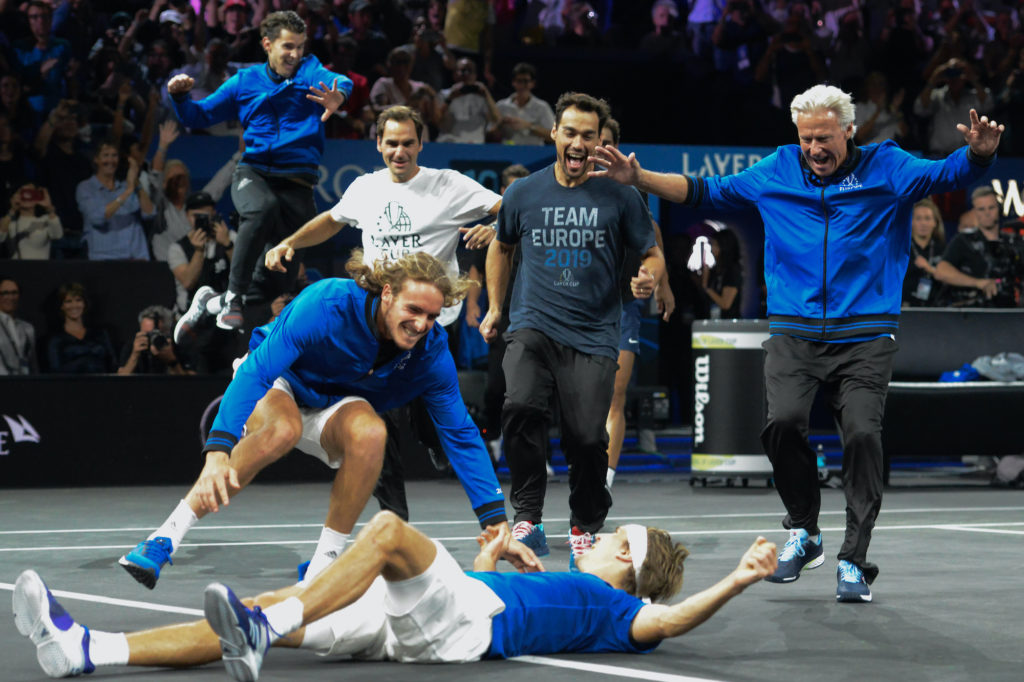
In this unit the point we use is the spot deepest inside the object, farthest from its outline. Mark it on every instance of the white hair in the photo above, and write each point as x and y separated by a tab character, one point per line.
825	98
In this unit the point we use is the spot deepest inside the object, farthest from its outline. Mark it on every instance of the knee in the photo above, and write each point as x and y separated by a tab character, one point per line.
384	530
515	410
365	437
281	435
787	421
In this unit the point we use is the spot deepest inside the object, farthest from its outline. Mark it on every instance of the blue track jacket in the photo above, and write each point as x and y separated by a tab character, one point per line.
283	133
836	249
324	344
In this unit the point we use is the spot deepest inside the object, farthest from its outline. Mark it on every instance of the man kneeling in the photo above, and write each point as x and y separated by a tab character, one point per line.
396	594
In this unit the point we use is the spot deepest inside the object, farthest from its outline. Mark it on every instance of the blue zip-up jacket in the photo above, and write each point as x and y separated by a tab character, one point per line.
836	249
283	133
324	344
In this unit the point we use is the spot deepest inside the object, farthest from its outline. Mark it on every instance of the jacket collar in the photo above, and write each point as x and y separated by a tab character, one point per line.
852	159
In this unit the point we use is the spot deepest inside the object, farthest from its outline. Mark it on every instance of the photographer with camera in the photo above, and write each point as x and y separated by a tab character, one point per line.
31	225
152	351
983	267
468	107
946	100
203	256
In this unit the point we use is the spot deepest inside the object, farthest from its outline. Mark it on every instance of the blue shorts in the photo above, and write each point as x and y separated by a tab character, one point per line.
629	325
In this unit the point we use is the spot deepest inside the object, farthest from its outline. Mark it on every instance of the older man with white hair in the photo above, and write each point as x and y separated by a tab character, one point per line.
837	243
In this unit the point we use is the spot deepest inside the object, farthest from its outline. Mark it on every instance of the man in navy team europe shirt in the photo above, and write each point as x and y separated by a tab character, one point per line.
315	379
563	337
398	595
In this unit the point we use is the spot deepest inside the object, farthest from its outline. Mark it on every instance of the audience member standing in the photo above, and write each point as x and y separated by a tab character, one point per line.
112	210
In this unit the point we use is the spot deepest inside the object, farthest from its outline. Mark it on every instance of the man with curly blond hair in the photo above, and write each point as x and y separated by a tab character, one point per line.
315	379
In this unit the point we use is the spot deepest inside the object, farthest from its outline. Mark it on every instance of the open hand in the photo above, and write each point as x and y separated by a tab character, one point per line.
330	98
609	162
983	135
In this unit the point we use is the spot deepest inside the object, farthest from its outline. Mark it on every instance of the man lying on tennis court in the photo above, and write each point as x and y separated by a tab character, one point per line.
395	594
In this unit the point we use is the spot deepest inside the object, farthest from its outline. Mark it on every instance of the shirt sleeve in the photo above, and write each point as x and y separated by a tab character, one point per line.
222	180
956	252
299	326
90	205
461	439
220	105
346	211
508	222
466	198
916	178
733	191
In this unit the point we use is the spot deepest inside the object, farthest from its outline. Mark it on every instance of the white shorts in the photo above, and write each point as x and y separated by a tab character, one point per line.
314	419
449	623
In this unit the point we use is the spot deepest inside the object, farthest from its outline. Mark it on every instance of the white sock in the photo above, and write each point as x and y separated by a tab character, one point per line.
108	648
177	524
610	478
328	548
284	617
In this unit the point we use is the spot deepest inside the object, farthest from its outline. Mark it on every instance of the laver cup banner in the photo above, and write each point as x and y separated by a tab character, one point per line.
729	399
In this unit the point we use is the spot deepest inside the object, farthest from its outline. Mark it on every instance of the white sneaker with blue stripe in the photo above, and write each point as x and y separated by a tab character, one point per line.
245	635
62	645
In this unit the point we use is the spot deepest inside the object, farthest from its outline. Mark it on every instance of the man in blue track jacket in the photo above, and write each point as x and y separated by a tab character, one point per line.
315	379
837	243
282	105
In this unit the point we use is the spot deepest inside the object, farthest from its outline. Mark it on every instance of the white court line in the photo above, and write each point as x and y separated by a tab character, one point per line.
632	673
80	596
984	530
467	538
679	517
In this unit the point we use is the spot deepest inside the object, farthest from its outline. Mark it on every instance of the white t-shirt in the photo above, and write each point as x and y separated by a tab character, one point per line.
423	214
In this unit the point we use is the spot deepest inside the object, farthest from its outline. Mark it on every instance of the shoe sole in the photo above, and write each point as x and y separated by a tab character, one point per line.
29	591
29	603
233	645
854	598
144	576
814	563
183	327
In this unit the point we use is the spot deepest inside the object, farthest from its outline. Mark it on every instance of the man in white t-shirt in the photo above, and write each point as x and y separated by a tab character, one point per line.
525	119
401	209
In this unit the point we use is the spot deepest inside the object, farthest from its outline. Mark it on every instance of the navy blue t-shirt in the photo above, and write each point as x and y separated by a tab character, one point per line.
573	242
549	613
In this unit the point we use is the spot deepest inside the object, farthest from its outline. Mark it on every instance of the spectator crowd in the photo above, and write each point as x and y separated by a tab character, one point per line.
87	125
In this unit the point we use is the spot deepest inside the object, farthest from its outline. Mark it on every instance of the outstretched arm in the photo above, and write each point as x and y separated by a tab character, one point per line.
611	163
316	231
656	622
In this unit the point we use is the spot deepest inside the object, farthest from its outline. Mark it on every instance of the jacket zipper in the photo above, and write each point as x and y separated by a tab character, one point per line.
824	269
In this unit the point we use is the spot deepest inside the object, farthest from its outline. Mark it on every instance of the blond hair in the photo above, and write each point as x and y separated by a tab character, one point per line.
939	233
661	575
418	266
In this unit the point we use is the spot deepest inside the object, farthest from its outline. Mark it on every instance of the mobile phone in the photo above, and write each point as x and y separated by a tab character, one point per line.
31	196
203	223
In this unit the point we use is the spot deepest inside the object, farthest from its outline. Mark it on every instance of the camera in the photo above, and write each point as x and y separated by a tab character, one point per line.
157	339
471	88
953	72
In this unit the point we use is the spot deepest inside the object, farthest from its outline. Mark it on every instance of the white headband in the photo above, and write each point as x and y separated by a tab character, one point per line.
636	536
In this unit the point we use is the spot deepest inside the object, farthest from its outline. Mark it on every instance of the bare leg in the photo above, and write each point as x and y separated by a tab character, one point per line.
356	436
189	644
616	422
272	431
387	546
